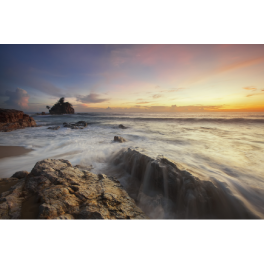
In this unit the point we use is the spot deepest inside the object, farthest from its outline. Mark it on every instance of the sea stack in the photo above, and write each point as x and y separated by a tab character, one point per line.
61	107
11	119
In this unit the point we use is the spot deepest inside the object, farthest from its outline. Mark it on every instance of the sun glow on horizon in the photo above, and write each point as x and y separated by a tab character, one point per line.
152	78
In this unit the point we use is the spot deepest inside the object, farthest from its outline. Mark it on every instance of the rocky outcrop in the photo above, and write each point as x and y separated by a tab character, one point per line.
119	139
78	125
11	119
163	189
122	126
62	108
54	189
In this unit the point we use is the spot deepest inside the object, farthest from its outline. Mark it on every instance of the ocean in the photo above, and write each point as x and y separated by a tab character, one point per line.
227	147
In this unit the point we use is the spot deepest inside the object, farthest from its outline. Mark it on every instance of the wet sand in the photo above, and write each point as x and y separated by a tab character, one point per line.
12	151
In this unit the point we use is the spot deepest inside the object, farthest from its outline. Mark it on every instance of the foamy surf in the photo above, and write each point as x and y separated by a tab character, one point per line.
225	148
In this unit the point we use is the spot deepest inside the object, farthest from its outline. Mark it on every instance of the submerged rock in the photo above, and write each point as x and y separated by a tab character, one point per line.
54	128
11	119
78	125
54	189
121	126
119	139
163	189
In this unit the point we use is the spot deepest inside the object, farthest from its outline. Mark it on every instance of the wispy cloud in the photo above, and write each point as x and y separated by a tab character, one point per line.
172	90
237	65
250	88
144	102
249	95
91	98
155	96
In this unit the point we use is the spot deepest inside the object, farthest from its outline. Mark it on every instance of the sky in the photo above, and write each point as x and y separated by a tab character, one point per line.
133	78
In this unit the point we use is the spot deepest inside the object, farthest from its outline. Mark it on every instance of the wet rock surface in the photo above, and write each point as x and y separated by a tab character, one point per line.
78	125
11	119
119	139
164	189
54	189
122	126
54	128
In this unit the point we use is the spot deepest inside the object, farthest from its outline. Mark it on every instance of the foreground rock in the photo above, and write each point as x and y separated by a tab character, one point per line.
119	139
11	119
78	125
56	190
163	189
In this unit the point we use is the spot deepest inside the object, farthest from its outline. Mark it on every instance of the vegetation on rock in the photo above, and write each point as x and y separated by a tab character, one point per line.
61	107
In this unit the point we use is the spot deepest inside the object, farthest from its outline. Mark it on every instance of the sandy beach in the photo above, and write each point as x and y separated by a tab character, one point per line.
12	151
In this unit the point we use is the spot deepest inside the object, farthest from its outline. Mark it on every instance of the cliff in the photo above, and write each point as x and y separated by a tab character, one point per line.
61	108
54	189
11	119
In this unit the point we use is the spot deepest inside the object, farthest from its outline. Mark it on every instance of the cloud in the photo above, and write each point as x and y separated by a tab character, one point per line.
155	96
19	76
17	99
250	88
93	98
254	94
108	108
172	90
237	65
143	102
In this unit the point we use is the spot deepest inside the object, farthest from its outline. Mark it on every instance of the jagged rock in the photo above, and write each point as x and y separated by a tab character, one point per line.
119	139
20	174
54	128
56	190
11	191
61	108
11	119
121	126
164	189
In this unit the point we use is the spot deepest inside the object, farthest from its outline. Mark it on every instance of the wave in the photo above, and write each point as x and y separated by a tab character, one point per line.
181	119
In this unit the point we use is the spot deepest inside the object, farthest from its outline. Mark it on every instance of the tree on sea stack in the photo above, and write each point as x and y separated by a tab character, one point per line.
61	100
61	107
47	107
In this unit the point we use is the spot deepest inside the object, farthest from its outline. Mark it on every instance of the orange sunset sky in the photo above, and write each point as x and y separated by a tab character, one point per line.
133	78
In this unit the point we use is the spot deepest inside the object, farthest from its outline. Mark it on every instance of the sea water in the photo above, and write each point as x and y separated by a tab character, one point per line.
226	146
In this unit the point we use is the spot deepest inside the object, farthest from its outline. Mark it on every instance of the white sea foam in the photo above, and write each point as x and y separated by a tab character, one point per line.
226	146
